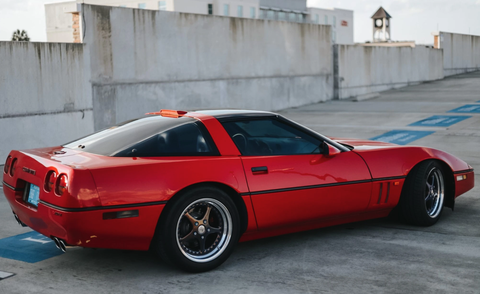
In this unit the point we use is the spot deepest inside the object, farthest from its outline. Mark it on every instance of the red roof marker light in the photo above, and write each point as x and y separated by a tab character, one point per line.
169	113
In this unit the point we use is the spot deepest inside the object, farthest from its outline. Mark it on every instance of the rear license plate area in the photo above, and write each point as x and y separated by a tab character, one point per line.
32	194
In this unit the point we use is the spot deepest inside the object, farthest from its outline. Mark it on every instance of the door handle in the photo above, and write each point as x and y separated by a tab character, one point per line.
259	170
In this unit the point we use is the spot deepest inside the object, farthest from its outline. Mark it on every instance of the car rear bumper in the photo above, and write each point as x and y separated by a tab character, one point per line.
90	227
464	181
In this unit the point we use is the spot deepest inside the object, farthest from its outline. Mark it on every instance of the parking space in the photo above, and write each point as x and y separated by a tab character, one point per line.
381	255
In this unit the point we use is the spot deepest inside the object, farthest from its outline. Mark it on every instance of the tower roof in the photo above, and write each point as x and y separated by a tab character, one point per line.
381	13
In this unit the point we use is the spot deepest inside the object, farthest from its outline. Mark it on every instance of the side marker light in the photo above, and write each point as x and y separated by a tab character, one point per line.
461	178
120	214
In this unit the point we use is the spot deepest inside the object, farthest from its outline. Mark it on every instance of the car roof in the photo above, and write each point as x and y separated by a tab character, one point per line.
232	113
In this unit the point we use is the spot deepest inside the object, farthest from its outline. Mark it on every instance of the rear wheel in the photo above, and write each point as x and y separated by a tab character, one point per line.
423	194
199	231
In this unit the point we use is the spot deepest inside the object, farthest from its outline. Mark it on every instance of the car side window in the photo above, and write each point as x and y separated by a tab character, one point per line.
188	139
260	137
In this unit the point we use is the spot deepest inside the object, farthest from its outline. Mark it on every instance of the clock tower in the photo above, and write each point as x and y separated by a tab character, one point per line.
381	26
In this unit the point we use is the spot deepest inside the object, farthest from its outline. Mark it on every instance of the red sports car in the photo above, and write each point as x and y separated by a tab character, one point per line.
190	185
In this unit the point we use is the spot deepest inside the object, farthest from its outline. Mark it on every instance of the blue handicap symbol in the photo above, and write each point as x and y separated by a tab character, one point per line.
29	247
469	108
401	137
439	121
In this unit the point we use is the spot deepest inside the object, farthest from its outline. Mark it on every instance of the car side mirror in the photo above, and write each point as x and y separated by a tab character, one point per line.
328	150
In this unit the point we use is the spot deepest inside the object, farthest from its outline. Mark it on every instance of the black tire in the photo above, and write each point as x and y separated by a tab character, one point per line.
190	239
423	194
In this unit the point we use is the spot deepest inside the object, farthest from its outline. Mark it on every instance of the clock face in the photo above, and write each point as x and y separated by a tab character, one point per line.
378	23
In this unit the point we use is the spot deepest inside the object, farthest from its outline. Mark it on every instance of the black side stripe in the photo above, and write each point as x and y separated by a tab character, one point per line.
321	186
463	171
309	187
388	179
11	187
101	207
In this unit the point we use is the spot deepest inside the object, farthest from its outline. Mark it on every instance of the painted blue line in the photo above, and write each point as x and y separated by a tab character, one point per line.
29	247
469	108
439	121
401	137
478	101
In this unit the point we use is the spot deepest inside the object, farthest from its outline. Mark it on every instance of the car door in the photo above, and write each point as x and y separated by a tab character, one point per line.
290	180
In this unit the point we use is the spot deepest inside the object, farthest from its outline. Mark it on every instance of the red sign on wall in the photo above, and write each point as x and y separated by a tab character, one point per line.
344	23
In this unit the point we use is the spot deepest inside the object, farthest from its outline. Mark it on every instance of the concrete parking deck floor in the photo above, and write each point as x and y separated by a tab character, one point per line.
378	256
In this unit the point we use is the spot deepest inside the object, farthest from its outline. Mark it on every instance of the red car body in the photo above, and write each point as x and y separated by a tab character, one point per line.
298	192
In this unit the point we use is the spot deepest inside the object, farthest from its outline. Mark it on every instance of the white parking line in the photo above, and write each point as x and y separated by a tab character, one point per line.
4	275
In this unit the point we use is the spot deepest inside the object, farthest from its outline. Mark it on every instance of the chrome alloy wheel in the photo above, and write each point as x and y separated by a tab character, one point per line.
204	230
434	192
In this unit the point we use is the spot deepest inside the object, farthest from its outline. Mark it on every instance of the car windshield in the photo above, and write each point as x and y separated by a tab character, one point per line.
114	140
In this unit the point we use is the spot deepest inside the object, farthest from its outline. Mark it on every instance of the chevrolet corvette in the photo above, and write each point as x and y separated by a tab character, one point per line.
191	185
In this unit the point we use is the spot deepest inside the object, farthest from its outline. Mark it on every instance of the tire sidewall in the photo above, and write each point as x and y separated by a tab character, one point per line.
413	205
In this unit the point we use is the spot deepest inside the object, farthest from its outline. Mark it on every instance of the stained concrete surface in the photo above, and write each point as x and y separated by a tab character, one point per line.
376	256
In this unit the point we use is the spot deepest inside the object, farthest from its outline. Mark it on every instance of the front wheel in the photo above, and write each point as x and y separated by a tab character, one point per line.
423	195
199	231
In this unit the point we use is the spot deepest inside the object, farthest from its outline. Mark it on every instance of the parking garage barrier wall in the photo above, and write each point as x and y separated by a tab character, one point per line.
45	95
461	53
146	60
365	70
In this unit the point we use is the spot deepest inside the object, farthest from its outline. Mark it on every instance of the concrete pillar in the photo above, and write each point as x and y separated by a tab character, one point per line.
336	82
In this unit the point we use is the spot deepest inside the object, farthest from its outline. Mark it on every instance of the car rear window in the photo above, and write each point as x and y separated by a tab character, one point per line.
150	137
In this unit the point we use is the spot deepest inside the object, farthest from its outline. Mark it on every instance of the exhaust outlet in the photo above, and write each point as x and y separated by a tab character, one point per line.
18	220
60	244
55	240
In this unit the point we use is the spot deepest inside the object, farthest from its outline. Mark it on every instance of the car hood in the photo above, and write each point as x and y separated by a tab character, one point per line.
364	144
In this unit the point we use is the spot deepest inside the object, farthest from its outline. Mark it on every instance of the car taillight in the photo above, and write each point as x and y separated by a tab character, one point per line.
7	164
12	169
50	180
62	185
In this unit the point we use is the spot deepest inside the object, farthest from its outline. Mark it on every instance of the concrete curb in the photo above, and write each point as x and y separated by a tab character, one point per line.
366	96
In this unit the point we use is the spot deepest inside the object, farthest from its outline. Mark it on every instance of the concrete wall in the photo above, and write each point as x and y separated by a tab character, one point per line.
60	24
144	61
363	70
45	97
461	53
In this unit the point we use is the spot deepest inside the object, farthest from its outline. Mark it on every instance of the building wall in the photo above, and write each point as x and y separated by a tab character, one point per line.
300	5
365	70
45	96
148	60
461	53
59	21
341	21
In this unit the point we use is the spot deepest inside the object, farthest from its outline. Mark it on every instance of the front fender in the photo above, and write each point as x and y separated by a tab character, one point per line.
394	161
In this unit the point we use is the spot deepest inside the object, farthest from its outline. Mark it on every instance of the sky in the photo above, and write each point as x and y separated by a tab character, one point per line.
412	20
